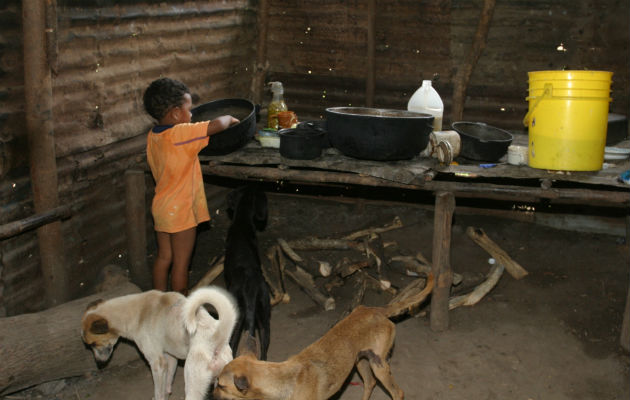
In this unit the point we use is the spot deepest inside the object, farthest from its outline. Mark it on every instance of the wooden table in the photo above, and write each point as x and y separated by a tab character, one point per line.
499	182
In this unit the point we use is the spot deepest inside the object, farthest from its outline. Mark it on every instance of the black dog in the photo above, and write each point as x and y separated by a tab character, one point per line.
247	208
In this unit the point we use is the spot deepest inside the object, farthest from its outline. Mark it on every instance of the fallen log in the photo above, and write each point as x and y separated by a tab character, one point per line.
45	346
512	267
480	291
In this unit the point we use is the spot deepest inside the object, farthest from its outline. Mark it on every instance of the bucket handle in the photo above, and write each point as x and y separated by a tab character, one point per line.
547	93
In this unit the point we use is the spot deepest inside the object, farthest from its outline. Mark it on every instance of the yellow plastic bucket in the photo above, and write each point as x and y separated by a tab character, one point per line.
567	119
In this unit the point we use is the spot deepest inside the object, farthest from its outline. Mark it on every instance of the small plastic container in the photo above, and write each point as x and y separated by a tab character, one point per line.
426	100
269	138
517	155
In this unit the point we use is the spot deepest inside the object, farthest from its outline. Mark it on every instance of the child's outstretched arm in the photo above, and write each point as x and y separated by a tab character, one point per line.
221	123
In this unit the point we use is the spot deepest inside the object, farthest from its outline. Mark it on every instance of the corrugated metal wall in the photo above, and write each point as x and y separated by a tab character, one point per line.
318	49
108	52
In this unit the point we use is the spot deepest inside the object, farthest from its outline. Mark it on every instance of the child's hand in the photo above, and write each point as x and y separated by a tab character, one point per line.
221	123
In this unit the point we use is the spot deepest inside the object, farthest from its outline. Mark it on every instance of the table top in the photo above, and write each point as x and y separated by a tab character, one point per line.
420	169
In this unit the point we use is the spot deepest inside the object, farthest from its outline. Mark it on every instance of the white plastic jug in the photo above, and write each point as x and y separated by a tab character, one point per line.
427	100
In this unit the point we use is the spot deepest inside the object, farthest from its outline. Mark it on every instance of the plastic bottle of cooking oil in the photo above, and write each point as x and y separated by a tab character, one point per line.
427	100
277	105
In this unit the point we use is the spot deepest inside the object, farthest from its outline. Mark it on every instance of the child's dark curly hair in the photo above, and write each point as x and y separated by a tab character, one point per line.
162	95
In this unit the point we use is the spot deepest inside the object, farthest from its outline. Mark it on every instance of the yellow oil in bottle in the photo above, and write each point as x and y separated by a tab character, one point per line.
277	105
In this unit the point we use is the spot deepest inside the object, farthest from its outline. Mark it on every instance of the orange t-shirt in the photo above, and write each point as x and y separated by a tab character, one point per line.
172	153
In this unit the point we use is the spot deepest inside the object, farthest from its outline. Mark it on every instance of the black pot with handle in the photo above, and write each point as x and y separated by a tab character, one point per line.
482	142
301	143
234	137
378	134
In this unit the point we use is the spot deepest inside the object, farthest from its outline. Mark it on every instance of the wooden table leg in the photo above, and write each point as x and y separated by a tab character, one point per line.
443	216
136	228
624	339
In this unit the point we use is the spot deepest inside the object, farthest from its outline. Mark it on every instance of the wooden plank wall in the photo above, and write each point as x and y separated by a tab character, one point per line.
108	52
318	49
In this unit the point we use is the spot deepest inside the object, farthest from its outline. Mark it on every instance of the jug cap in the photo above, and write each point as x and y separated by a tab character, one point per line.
276	87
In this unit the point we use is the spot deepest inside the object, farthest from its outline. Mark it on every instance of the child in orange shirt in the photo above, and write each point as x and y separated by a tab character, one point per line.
179	204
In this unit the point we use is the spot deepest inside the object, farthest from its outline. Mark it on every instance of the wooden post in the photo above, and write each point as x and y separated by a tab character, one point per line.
41	143
261	67
136	216
371	45
465	70
442	272
624	338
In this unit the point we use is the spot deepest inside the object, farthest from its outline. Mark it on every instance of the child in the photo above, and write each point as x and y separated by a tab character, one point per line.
179	204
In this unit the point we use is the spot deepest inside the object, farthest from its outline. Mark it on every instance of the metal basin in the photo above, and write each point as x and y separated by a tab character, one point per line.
378	134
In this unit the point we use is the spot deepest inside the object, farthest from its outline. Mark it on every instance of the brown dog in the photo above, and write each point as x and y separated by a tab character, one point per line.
364	338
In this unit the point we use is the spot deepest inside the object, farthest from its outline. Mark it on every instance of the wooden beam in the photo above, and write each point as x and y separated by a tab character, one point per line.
460	189
35	221
441	269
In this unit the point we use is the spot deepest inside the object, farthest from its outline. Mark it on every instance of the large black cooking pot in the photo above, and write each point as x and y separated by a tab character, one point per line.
234	137
378	134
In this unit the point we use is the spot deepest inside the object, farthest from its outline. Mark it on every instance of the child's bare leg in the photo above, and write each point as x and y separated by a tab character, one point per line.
162	261
182	244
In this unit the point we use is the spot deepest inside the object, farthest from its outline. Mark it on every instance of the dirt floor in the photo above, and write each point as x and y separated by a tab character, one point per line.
552	335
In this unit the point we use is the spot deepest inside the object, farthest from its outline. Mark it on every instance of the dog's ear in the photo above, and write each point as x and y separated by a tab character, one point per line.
260	210
241	383
99	326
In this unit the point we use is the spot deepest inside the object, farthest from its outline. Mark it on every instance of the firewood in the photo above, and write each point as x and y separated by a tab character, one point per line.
273	276
397	223
512	267
415	267
346	267
289	251
374	247
414	287
377	284
334	281
215	270
357	299
325	268
306	282
315	243
480	291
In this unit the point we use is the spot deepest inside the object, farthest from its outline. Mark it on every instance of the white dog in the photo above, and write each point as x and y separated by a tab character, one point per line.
167	326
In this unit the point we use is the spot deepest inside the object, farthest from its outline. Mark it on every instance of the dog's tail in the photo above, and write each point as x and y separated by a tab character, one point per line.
222	301
396	308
